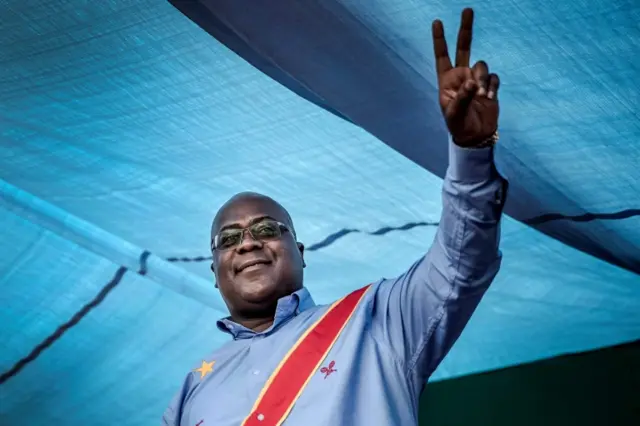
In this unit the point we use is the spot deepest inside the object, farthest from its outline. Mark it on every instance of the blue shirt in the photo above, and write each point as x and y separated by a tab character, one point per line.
400	332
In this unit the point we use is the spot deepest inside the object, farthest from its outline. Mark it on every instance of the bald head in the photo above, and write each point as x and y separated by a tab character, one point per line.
261	263
235	203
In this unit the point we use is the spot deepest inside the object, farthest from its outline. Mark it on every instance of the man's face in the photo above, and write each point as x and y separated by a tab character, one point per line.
254	273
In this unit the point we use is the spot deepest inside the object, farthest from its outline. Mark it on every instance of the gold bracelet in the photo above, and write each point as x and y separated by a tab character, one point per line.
490	141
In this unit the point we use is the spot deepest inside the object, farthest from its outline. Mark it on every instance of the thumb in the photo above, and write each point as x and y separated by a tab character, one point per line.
458	105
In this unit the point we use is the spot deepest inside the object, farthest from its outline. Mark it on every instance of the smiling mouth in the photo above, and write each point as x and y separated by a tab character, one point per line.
249	266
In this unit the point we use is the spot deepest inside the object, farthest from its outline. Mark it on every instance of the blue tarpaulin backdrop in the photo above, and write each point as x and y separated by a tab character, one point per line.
124	124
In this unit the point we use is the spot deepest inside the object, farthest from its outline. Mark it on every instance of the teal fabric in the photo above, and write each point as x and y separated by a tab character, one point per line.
124	125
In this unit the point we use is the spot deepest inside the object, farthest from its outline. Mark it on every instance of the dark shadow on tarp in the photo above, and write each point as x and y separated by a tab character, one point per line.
320	51
597	388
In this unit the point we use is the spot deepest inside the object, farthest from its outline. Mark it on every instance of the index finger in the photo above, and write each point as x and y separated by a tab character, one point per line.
440	50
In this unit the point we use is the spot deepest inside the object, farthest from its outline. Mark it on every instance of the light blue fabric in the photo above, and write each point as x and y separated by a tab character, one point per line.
395	339
124	126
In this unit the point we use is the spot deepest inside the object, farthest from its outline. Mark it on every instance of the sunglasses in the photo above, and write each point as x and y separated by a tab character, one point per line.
265	230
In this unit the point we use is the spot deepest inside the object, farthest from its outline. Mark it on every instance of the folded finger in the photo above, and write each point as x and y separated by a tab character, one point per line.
481	76
494	85
458	106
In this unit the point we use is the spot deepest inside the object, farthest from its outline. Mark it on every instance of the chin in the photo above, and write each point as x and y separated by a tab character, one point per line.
258	290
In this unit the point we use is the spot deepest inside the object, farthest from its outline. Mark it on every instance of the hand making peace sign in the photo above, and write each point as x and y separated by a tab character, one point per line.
468	96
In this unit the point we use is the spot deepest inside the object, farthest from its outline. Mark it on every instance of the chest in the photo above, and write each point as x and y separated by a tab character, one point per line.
226	395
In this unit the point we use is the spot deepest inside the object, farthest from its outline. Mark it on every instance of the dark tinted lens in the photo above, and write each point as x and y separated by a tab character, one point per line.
265	230
229	238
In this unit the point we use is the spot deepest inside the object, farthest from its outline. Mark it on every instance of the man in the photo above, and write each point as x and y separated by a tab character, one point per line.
365	359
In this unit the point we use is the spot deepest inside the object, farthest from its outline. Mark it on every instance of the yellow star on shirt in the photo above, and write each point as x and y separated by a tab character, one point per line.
205	368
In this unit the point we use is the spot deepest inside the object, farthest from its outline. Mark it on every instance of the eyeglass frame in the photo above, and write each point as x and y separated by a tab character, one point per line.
281	225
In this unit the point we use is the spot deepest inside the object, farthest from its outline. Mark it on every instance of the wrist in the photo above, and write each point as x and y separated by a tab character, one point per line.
470	164
482	143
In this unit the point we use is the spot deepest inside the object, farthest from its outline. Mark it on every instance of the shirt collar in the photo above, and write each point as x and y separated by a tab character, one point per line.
287	308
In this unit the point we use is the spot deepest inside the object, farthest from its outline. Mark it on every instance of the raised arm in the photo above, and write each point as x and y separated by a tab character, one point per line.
422	313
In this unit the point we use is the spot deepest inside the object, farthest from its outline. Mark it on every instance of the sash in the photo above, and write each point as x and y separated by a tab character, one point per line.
286	383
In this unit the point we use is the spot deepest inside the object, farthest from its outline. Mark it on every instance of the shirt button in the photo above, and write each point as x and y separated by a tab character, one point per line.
256	372
260	417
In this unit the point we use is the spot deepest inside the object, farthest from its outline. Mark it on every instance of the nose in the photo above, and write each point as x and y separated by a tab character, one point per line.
247	242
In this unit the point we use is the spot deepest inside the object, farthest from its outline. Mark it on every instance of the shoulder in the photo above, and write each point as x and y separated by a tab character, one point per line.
227	350
363	298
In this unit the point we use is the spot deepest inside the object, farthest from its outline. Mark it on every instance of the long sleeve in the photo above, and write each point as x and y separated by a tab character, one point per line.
422	313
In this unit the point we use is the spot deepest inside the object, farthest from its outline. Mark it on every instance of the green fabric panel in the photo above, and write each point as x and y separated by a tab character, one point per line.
594	388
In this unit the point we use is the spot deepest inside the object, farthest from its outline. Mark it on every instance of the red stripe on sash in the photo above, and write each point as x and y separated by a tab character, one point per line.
286	383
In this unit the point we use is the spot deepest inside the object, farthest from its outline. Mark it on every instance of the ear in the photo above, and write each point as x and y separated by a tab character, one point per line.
301	248
213	269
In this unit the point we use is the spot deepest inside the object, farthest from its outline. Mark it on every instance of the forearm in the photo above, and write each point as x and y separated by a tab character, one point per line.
469	234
